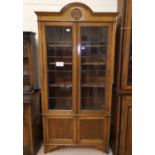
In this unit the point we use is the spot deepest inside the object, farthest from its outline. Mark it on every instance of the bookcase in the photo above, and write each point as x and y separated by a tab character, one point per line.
77	66
121	124
32	124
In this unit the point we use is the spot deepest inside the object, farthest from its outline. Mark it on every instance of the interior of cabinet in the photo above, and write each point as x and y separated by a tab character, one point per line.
26	66
59	59
93	43
130	63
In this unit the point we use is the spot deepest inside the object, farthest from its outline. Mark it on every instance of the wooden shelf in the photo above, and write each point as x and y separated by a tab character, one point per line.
60	71
27	89
65	63
59	42
93	63
26	74
65	84
94	46
93	70
93	85
64	56
93	43
60	97
104	56
92	97
59	45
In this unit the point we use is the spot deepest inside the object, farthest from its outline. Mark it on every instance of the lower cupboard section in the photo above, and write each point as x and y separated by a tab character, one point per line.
121	126
76	130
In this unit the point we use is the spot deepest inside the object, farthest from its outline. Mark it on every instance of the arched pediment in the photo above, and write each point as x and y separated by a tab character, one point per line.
76	12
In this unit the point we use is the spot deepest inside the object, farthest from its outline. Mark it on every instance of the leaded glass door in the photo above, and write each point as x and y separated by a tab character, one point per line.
60	72
94	63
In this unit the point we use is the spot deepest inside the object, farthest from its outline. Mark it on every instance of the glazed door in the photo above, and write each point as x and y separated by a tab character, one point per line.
95	67
27	69
127	48
77	75
59	65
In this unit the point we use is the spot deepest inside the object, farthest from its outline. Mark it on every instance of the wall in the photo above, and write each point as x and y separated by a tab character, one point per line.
30	6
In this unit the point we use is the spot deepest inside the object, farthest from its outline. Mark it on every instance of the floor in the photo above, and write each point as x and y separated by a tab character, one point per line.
73	151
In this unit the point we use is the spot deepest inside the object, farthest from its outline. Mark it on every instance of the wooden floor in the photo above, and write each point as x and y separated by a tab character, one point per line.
73	151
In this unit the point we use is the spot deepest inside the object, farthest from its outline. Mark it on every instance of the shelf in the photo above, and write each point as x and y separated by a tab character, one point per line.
65	84
93	108
65	63
27	88
60	97
93	43
64	106
26	74
94	56
93	63
93	70
55	56
59	42
93	85
60	70
92	97
93	46
59	45
25	57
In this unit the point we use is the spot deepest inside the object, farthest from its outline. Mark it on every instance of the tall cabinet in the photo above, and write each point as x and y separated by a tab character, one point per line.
77	64
121	125
32	125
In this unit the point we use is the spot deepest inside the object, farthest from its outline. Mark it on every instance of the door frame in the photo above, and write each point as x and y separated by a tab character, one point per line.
44	70
109	66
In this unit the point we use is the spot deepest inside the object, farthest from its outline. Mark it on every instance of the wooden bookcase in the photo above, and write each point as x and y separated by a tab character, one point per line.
77	65
32	124
121	124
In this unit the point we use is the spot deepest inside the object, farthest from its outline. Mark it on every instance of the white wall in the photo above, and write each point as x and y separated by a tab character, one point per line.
30	6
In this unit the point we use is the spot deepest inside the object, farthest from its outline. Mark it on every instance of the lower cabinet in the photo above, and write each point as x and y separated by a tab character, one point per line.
92	130
126	127
76	130
59	129
32	124
121	126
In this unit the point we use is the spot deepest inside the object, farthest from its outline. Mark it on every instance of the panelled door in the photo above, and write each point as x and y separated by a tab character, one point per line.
59	66
94	82
77	78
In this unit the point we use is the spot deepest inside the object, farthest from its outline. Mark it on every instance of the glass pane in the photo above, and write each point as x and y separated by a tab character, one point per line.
93	67
59	58
26	71
130	64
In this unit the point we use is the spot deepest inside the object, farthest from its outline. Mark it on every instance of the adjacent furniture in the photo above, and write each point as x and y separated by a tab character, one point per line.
77	67
32	124
121	126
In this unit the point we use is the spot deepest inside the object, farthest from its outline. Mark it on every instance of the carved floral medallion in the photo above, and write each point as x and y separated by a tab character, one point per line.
76	14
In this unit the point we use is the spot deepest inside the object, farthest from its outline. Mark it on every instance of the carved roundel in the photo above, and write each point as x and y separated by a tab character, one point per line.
76	14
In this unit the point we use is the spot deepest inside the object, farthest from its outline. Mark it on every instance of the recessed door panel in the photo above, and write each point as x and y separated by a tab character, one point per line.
60	129
126	127
92	130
